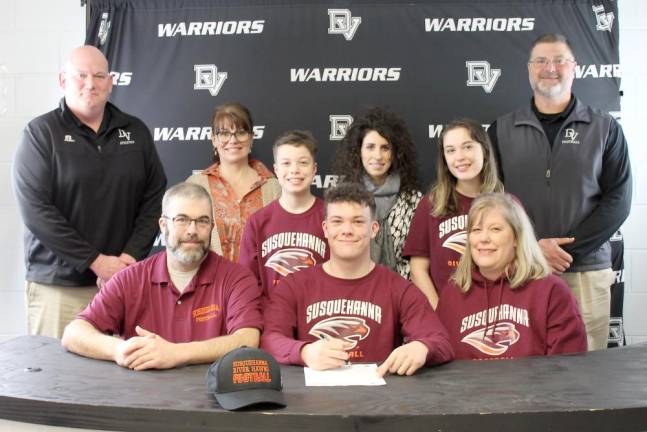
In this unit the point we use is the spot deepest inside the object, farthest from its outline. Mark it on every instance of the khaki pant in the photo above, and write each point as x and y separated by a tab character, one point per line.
51	307
592	290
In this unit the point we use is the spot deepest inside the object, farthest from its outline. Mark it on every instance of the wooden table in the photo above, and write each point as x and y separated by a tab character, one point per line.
601	391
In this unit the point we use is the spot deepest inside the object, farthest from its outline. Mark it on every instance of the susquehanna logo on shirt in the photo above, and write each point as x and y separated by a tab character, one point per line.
350	329
292	251
494	339
288	261
457	241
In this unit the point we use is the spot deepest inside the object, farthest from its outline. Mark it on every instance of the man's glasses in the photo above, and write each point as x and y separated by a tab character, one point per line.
183	221
241	135
542	62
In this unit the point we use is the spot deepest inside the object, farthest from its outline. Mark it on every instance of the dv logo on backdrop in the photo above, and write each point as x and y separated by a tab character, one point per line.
616	331
480	74
339	124
343	23
104	28
207	77
604	21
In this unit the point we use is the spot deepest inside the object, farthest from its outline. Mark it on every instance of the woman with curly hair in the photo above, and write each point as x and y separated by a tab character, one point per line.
465	168
378	152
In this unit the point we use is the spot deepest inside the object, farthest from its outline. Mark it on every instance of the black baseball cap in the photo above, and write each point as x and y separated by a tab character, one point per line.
245	376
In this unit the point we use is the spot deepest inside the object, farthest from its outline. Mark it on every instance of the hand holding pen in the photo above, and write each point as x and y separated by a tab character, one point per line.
326	353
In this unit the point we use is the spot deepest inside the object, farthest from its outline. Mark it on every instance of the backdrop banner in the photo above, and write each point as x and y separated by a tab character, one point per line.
315	64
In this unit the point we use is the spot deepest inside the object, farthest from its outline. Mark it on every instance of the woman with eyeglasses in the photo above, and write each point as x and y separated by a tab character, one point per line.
238	184
378	151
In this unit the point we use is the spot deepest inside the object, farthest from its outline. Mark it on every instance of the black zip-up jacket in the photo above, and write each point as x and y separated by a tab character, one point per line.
580	186
82	193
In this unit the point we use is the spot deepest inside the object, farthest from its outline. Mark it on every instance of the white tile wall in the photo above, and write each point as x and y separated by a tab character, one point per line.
36	34
10	280
36	95
13	313
637	260
10	134
633	34
7	93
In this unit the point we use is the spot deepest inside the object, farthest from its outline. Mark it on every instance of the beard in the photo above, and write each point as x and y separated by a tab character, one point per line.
550	91
186	257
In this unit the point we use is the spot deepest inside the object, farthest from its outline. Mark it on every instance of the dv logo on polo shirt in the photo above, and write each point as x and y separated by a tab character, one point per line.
125	137
570	136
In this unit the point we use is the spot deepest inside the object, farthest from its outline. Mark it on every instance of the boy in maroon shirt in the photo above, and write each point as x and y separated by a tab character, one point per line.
186	305
286	236
349	308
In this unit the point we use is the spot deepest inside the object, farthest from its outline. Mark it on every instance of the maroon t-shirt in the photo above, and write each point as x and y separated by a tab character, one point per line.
220	299
493	321
441	239
377	313
277	243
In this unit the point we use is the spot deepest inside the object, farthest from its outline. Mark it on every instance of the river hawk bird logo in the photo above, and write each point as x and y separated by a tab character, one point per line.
288	261
350	329
493	340
457	242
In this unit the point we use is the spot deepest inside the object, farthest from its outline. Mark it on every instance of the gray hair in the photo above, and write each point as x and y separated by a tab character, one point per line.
552	38
185	190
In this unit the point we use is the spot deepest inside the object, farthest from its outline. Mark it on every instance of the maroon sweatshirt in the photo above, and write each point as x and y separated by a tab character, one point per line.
276	243
493	321
377	313
441	239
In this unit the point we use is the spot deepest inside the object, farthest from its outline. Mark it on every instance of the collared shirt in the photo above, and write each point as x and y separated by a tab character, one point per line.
230	213
220	299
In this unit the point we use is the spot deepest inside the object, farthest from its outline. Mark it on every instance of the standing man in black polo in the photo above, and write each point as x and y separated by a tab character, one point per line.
89	185
569	165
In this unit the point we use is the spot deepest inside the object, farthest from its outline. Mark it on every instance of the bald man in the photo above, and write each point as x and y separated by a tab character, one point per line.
89	185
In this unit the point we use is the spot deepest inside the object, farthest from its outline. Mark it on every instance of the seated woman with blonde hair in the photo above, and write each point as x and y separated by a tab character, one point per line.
503	301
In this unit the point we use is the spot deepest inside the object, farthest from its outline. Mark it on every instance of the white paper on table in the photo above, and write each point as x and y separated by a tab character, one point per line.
350	375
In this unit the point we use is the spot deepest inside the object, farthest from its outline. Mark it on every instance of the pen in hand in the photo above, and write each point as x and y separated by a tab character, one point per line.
324	337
